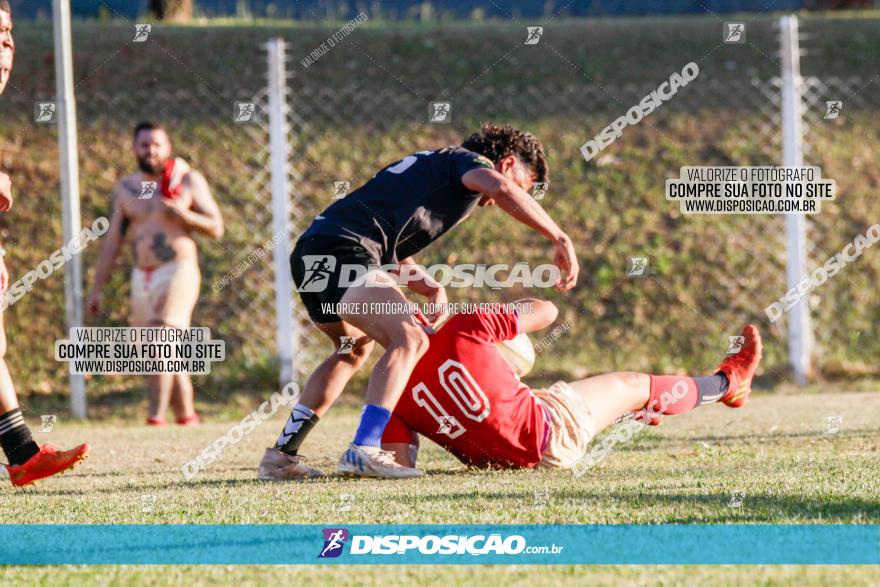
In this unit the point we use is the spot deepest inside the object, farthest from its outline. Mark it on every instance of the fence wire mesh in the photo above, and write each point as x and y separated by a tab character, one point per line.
233	157
709	273
845	308
365	104
237	293
613	207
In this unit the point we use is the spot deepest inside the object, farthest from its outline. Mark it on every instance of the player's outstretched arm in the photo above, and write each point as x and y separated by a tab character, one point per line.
520	205
512	199
108	253
535	314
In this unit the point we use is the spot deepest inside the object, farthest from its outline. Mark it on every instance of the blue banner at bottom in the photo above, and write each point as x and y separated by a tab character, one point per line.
440	544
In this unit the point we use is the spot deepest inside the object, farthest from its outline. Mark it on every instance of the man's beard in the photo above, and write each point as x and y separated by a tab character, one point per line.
151	169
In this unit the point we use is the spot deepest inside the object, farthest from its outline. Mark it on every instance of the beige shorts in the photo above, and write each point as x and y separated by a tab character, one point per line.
165	295
571	427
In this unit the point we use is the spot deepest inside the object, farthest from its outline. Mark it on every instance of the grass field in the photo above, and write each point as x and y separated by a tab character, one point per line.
775	450
363	106
514	576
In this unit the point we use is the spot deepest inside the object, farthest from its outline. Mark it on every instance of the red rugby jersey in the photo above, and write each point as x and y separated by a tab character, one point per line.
466	398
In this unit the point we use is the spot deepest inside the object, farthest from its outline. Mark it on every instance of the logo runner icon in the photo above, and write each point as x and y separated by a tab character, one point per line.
319	268
44	112
148	189
736	498
340	189
141	32
736	32
47	422
538	190
637	267
244	112
346	345
833	424
334	540
736	344
832	109
440	112
534	35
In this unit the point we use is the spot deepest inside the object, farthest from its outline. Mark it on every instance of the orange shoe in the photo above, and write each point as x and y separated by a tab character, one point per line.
49	461
741	367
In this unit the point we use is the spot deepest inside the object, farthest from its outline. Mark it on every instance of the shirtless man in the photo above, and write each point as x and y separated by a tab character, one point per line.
159	207
28	461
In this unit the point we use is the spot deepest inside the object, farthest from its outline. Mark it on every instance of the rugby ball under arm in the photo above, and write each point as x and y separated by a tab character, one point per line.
519	353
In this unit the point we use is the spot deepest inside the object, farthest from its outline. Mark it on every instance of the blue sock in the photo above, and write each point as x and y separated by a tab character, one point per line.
373	422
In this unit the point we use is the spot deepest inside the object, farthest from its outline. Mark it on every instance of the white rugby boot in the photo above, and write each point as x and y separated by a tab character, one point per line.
372	461
278	466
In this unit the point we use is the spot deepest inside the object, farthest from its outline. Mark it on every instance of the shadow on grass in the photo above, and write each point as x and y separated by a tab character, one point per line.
811	434
764	508
706	509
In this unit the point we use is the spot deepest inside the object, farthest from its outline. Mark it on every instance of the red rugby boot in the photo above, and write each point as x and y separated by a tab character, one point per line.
741	367
49	461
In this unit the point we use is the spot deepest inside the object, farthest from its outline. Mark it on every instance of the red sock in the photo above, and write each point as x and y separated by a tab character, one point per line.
672	394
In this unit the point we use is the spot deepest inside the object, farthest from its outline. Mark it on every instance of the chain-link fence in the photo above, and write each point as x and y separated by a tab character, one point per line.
841	136
216	130
708	274
365	104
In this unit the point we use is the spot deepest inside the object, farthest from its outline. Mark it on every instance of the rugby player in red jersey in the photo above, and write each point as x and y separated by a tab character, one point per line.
465	396
28	461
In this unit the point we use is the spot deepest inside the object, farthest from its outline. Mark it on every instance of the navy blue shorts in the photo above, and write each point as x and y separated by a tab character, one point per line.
316	263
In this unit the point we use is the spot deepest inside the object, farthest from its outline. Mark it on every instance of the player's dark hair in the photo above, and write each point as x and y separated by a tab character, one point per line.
497	142
145	125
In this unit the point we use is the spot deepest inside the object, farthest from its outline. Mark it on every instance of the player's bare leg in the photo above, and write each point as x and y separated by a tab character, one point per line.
329	379
182	400
610	396
160	396
400	334
174	389
405	342
8	401
28	462
282	462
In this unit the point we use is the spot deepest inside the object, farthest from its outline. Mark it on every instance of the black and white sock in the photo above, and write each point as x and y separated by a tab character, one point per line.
711	388
302	419
15	438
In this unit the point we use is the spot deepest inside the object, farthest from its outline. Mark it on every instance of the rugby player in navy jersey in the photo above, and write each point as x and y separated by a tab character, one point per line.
404	208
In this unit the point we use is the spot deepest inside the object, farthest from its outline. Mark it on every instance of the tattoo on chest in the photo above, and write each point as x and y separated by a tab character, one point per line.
131	186
161	248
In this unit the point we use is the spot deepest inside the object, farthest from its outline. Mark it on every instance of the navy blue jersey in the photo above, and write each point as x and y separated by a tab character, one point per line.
406	206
